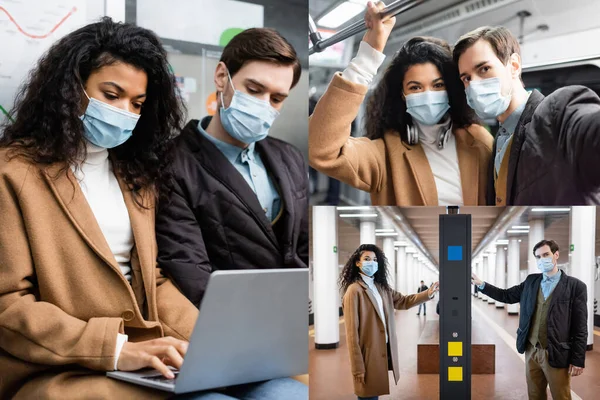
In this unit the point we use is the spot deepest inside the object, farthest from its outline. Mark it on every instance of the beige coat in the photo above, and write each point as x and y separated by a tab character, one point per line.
394	172
365	335
63	298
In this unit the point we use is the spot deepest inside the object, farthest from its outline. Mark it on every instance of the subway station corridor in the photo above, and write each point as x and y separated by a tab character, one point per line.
330	377
501	254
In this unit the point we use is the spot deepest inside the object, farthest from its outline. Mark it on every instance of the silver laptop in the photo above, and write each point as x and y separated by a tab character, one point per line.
252	327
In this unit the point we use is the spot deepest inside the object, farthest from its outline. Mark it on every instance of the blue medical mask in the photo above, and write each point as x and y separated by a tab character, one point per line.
485	97
247	118
369	267
105	125
428	107
545	264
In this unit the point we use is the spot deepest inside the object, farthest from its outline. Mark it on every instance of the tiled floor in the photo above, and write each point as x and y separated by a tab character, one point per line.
330	377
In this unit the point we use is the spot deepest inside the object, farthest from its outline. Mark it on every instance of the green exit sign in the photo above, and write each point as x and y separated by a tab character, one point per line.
335	249
572	247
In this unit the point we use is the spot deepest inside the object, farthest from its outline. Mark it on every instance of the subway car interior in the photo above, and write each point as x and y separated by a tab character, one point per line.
555	52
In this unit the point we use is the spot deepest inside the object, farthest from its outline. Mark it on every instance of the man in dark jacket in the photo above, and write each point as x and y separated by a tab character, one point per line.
541	140
423	287
239	198
552	324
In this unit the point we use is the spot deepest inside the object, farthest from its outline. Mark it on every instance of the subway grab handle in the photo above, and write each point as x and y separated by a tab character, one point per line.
391	10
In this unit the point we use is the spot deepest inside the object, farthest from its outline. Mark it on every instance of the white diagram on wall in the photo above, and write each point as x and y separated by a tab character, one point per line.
27	29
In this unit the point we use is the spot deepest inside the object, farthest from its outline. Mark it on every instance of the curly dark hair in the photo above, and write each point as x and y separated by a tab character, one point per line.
386	107
351	273
45	127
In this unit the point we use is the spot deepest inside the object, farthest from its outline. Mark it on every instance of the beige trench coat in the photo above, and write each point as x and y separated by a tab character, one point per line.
365	335
63	298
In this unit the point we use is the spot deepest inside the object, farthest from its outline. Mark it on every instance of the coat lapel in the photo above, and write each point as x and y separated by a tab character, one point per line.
535	98
468	165
279	173
417	161
219	166
67	191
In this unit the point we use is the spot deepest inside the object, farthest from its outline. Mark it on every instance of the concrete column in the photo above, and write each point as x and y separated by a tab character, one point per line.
415	276
485	272
401	270
367	232
513	269
325	273
536	234
583	240
421	273
421	276
410	263
491	274
480	275
390	254
477	272
500	271
473	271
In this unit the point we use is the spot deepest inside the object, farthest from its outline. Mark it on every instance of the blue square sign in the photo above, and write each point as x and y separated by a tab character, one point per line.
455	253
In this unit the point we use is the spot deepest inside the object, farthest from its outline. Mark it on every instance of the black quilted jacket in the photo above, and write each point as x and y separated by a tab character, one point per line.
567	316
213	220
554	158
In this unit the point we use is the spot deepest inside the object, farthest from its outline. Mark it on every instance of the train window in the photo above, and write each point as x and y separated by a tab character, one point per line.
548	80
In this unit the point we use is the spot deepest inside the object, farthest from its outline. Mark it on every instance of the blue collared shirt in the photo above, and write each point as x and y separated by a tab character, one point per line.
548	283
249	164
507	129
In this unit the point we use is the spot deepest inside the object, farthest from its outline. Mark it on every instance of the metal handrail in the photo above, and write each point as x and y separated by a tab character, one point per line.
355	28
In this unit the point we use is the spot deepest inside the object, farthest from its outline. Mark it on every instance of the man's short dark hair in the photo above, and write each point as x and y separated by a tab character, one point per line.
501	39
260	44
550	243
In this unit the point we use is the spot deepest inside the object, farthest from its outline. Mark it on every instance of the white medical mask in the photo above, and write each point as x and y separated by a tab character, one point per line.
247	118
485	97
427	107
369	268
107	126
545	264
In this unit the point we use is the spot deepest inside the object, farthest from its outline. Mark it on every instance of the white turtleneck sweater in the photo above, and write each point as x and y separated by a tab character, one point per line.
370	281
443	163
103	194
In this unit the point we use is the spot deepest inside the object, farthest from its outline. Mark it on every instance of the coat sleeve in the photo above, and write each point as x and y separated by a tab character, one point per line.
37	331
359	162
576	113
181	251
579	326
176	313
509	296
402	302
352	322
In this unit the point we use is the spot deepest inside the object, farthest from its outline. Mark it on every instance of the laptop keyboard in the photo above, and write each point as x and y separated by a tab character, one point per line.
161	378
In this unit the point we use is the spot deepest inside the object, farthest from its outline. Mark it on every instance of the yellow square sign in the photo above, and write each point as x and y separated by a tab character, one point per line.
455	349
455	374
